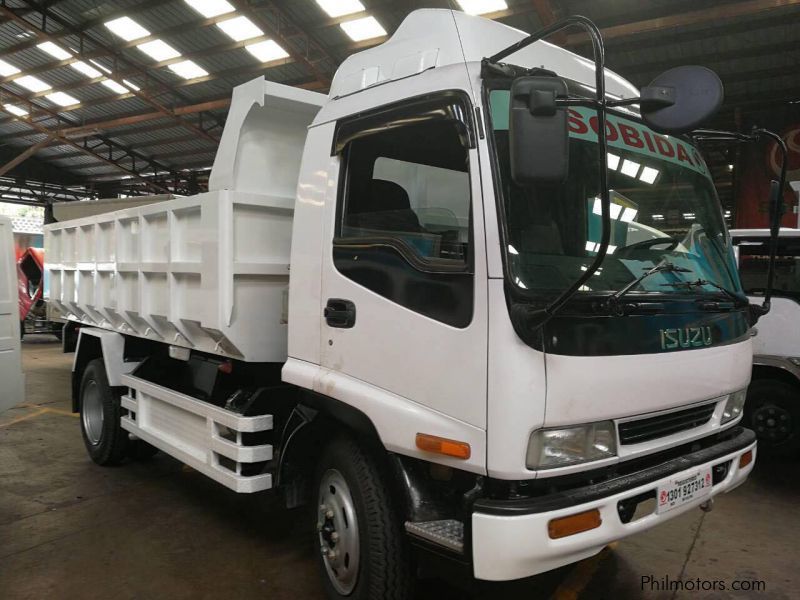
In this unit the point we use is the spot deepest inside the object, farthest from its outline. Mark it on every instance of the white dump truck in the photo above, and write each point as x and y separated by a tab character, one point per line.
773	397
441	306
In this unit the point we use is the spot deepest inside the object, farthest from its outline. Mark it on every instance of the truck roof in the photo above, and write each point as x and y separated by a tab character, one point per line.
433	38
785	232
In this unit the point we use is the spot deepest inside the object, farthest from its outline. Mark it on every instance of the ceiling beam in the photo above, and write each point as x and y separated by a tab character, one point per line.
708	59
40	33
293	38
25	155
547	16
123	121
90	151
716	14
149	77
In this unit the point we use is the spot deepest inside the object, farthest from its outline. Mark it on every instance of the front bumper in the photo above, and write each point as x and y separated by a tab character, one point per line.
510	537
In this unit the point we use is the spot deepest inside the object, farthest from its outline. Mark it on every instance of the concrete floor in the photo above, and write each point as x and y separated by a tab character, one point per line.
70	529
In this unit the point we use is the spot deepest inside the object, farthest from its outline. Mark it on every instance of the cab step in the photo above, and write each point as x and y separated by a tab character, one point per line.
448	533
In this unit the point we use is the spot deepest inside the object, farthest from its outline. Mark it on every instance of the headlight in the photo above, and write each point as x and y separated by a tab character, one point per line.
550	448
734	406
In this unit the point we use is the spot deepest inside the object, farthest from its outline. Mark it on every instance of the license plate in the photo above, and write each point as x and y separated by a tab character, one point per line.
681	490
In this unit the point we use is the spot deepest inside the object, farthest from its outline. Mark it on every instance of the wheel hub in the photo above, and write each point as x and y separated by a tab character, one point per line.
773	423
92	412
338	531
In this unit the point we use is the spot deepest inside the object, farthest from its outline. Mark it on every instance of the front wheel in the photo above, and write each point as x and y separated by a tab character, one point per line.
773	412
362	550
105	440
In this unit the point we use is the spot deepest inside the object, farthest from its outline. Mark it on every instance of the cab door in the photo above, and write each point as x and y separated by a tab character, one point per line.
12	389
404	278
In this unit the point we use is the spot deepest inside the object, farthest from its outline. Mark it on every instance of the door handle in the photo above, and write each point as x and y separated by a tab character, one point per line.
340	313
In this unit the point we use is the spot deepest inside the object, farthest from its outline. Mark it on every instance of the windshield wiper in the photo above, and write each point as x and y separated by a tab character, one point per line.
663	267
701	282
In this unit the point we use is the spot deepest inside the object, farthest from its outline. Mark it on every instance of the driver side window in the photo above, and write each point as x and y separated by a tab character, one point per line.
404	217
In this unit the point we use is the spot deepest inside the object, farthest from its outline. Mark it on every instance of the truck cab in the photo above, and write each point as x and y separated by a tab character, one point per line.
401	386
773	402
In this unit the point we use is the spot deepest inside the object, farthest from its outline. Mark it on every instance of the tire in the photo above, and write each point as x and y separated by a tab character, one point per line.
100	411
772	410
354	502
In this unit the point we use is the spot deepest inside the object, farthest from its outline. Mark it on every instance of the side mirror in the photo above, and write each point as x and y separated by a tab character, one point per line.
679	100
538	132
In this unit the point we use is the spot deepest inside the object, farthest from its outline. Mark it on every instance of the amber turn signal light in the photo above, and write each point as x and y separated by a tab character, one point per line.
745	459
566	526
438	445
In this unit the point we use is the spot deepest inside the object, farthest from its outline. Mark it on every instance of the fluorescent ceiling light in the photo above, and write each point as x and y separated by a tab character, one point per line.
611	250
240	29
210	8
613	161
592	246
630	168
15	110
339	8
99	66
62	99
616	209
32	83
54	50
363	29
7	69
159	50
127	29
131	85
266	51
481	7
628	215
188	69
658	217
86	69
114	86
649	174
688	216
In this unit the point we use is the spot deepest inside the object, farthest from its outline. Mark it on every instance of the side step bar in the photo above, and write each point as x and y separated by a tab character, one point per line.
447	533
201	435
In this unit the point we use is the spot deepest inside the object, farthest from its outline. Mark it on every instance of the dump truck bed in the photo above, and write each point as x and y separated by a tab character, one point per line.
207	272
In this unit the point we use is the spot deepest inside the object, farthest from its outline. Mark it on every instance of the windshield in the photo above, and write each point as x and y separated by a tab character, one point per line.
664	210
754	265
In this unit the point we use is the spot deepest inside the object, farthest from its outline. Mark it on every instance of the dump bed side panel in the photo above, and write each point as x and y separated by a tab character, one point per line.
209	272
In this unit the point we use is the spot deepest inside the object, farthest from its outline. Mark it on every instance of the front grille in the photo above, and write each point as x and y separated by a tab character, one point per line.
644	430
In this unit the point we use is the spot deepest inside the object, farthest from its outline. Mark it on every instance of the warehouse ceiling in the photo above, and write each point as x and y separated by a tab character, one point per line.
130	96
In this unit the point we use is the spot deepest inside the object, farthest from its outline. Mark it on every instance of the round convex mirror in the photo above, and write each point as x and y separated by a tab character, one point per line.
696	93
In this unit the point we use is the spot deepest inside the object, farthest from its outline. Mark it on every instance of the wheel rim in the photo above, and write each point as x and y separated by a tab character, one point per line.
92	412
338	531
773	423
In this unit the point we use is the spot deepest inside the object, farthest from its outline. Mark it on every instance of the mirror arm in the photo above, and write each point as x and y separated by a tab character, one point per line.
776	214
776	200
716	135
538	318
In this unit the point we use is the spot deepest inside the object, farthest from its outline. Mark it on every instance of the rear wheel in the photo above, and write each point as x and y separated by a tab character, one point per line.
773	412
105	440
362	552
